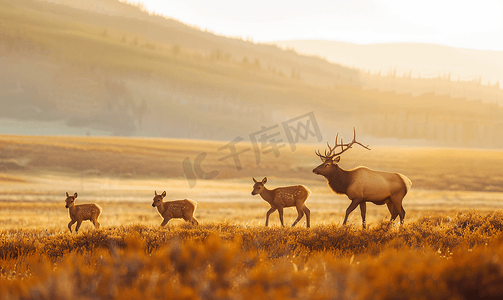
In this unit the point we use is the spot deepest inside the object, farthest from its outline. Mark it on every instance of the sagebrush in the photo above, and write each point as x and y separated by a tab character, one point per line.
435	257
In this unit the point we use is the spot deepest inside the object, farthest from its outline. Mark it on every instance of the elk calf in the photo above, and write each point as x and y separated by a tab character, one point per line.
82	212
282	197
175	209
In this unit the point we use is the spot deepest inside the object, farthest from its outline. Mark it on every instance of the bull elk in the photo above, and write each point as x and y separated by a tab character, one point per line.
282	197
362	184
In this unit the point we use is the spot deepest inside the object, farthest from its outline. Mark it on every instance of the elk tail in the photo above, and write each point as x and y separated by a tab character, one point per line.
406	181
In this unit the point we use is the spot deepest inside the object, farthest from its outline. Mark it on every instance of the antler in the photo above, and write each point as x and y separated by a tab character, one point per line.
330	153
324	157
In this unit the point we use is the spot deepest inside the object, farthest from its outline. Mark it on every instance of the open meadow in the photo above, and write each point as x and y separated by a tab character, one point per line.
450	246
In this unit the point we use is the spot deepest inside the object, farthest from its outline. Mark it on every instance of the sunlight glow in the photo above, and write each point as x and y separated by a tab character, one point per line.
464	24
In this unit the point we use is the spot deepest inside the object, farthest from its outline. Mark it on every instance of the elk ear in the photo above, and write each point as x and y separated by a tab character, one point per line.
163	194
155	193
67	195
336	160
75	195
254	180
264	180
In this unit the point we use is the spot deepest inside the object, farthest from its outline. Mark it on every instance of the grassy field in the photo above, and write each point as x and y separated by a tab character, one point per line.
121	175
449	247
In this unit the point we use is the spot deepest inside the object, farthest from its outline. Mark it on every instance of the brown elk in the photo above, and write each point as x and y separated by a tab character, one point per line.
362	184
82	212
282	197
175	209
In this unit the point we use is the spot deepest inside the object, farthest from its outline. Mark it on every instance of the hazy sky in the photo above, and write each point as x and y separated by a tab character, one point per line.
459	23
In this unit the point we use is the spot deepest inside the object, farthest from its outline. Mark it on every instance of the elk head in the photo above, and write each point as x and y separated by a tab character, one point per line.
258	187
70	200
330	159
327	166
158	198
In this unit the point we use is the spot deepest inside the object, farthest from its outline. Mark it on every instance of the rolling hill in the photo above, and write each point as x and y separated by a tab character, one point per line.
106	68
415	68
426	60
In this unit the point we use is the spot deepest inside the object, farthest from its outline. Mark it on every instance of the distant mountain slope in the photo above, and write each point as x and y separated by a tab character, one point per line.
423	59
113	14
112	69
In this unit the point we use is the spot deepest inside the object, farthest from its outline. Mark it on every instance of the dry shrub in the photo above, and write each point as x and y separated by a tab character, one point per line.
427	259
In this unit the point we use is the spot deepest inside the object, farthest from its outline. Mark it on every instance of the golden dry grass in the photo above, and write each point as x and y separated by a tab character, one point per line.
433	258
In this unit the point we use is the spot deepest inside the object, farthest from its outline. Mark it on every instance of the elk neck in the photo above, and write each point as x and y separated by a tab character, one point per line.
161	208
339	180
71	210
267	195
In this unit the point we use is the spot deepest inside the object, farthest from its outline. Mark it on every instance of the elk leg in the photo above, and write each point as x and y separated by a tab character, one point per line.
95	222
269	212
79	222
70	224
398	208
363	211
190	218
300	214
280	211
308	215
392	211
402	215
166	220
351	207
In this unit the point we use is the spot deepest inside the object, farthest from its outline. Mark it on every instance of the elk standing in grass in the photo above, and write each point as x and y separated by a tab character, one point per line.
362	184
282	197
175	209
82	212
